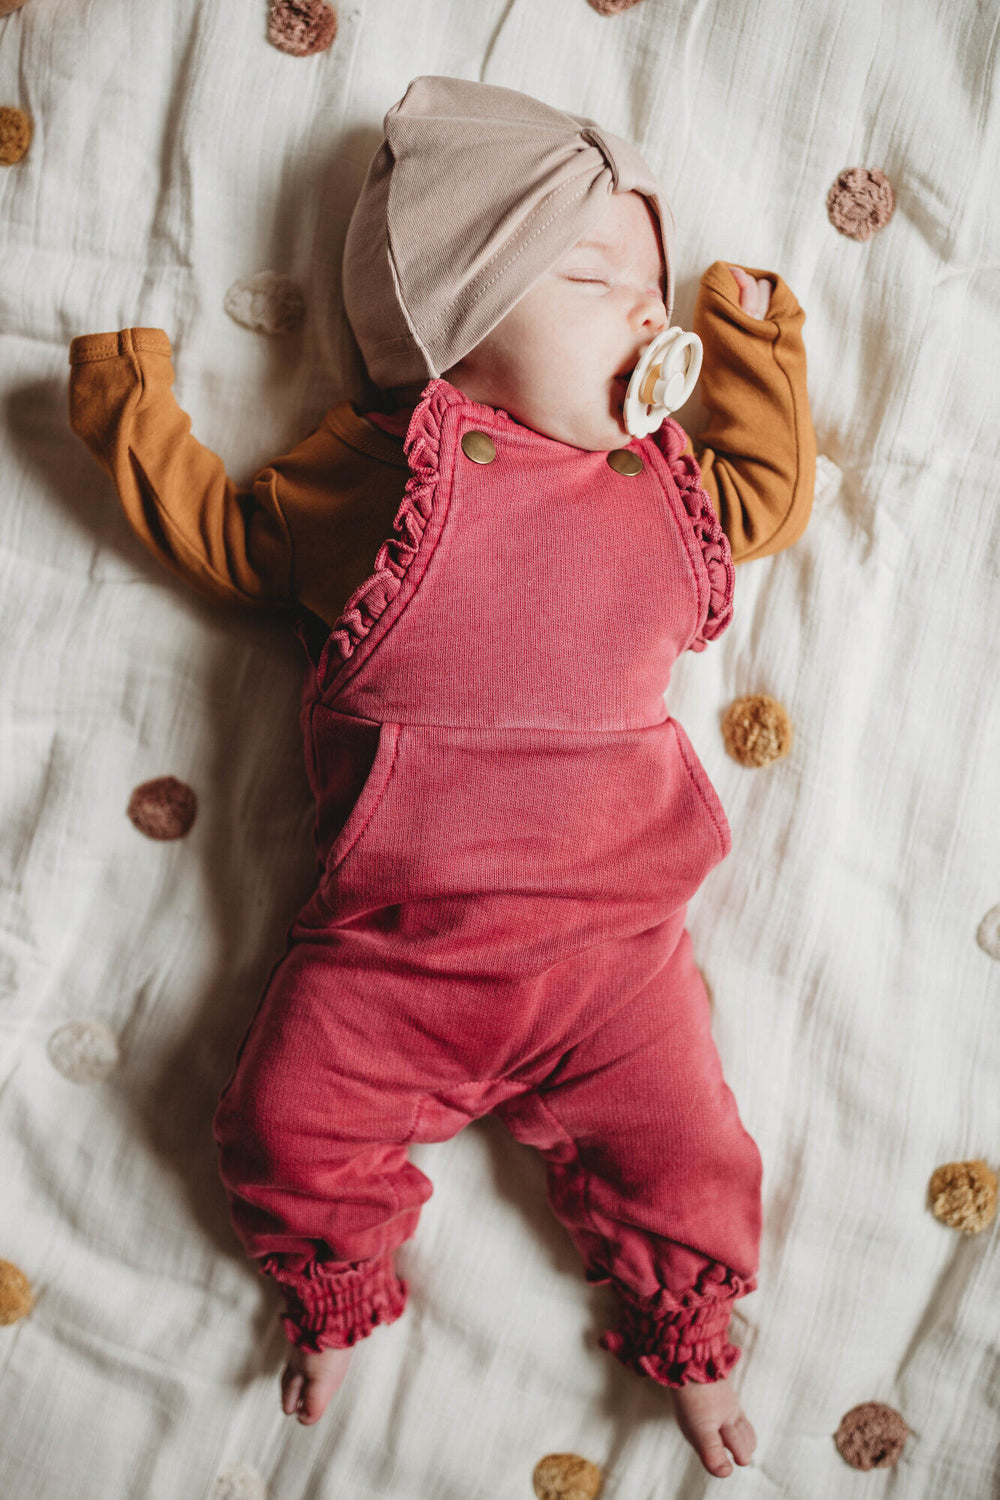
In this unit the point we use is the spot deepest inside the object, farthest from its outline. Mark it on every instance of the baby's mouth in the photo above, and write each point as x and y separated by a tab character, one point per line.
620	383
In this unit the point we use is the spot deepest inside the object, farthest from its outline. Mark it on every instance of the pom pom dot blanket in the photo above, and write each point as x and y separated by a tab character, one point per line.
848	939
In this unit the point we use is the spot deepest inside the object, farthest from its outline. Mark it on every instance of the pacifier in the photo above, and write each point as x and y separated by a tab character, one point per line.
664	378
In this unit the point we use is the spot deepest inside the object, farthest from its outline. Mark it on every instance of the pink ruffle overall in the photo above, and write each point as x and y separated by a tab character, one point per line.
509	827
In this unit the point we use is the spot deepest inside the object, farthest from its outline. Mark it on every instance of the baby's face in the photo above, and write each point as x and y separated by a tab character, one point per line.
559	361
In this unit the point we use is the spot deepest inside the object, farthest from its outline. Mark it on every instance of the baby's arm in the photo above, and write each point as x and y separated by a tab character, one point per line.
758	453
230	545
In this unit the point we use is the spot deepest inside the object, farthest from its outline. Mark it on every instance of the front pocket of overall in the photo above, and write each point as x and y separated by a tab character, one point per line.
568	819
351	766
709	797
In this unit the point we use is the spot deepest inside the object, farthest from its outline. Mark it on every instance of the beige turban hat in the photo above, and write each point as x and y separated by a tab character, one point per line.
474	193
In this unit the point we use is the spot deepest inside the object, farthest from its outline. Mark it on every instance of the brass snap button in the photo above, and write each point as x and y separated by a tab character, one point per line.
479	447
625	462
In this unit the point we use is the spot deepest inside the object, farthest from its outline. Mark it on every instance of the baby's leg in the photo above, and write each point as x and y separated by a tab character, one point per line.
341	1069
658	1184
309	1380
312	1132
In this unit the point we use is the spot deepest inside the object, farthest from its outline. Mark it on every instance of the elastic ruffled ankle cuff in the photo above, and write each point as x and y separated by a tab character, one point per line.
669	1358
331	1306
677	1340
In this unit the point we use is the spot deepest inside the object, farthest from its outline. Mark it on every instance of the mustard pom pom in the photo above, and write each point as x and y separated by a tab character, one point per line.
565	1476
964	1195
16	1296
757	730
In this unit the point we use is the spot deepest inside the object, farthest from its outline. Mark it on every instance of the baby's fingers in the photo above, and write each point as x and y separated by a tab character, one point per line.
763	297
755	295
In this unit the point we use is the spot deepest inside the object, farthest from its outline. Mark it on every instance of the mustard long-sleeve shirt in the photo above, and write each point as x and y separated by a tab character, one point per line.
307	529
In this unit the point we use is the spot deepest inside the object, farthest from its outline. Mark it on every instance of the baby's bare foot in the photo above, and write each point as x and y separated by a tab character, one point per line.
712	1419
309	1380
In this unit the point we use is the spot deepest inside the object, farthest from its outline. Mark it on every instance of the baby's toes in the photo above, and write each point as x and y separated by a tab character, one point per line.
291	1389
313	1402
740	1438
712	1453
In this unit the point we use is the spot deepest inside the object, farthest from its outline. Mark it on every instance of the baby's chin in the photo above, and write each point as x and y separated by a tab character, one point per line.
593	426
593	432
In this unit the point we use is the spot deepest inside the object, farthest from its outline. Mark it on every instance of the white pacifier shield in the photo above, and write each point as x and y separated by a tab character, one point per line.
664	378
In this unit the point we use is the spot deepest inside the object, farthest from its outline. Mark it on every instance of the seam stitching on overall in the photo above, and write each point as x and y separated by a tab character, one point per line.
547	1110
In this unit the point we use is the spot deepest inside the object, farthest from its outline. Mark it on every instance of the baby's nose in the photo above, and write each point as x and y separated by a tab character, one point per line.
650	315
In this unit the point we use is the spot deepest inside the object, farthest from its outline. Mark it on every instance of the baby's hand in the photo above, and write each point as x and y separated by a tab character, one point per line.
711	1416
755	296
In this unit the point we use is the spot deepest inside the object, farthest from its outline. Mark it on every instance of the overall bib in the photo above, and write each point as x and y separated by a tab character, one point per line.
509	827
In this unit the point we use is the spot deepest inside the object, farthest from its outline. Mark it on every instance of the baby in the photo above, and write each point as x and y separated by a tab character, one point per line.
509	825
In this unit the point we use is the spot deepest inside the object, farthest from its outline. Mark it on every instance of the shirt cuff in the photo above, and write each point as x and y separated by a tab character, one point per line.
90	346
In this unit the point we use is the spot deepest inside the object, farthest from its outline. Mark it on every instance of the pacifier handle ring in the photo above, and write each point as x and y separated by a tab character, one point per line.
672	355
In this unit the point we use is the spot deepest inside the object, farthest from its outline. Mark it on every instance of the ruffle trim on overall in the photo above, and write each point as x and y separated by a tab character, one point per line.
331	1307
677	1339
373	597
671	439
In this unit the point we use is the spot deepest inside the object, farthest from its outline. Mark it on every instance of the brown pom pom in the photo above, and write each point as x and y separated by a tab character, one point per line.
6	6
564	1476
16	1297
860	202
757	730
15	134
964	1195
164	808
871	1436
302	27
612	7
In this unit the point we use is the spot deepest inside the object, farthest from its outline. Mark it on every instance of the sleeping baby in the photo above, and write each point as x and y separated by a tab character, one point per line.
492	564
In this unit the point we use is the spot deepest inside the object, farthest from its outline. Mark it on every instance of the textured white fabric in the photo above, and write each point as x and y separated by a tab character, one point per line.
175	152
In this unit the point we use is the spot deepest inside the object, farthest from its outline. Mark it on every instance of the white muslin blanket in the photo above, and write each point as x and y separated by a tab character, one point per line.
174	152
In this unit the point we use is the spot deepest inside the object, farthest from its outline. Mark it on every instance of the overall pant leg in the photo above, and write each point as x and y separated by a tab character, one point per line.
653	1175
312	1131
347	1062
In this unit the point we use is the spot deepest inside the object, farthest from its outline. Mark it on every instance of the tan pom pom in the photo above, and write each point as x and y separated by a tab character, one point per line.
302	27
16	1296
239	1482
757	730
964	1195
269	302
565	1476
860	202
612	7
6	6
15	134
84	1051
988	932
164	808
871	1436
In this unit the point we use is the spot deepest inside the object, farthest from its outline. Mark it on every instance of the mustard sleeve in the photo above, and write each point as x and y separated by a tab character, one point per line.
758	453
231	545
